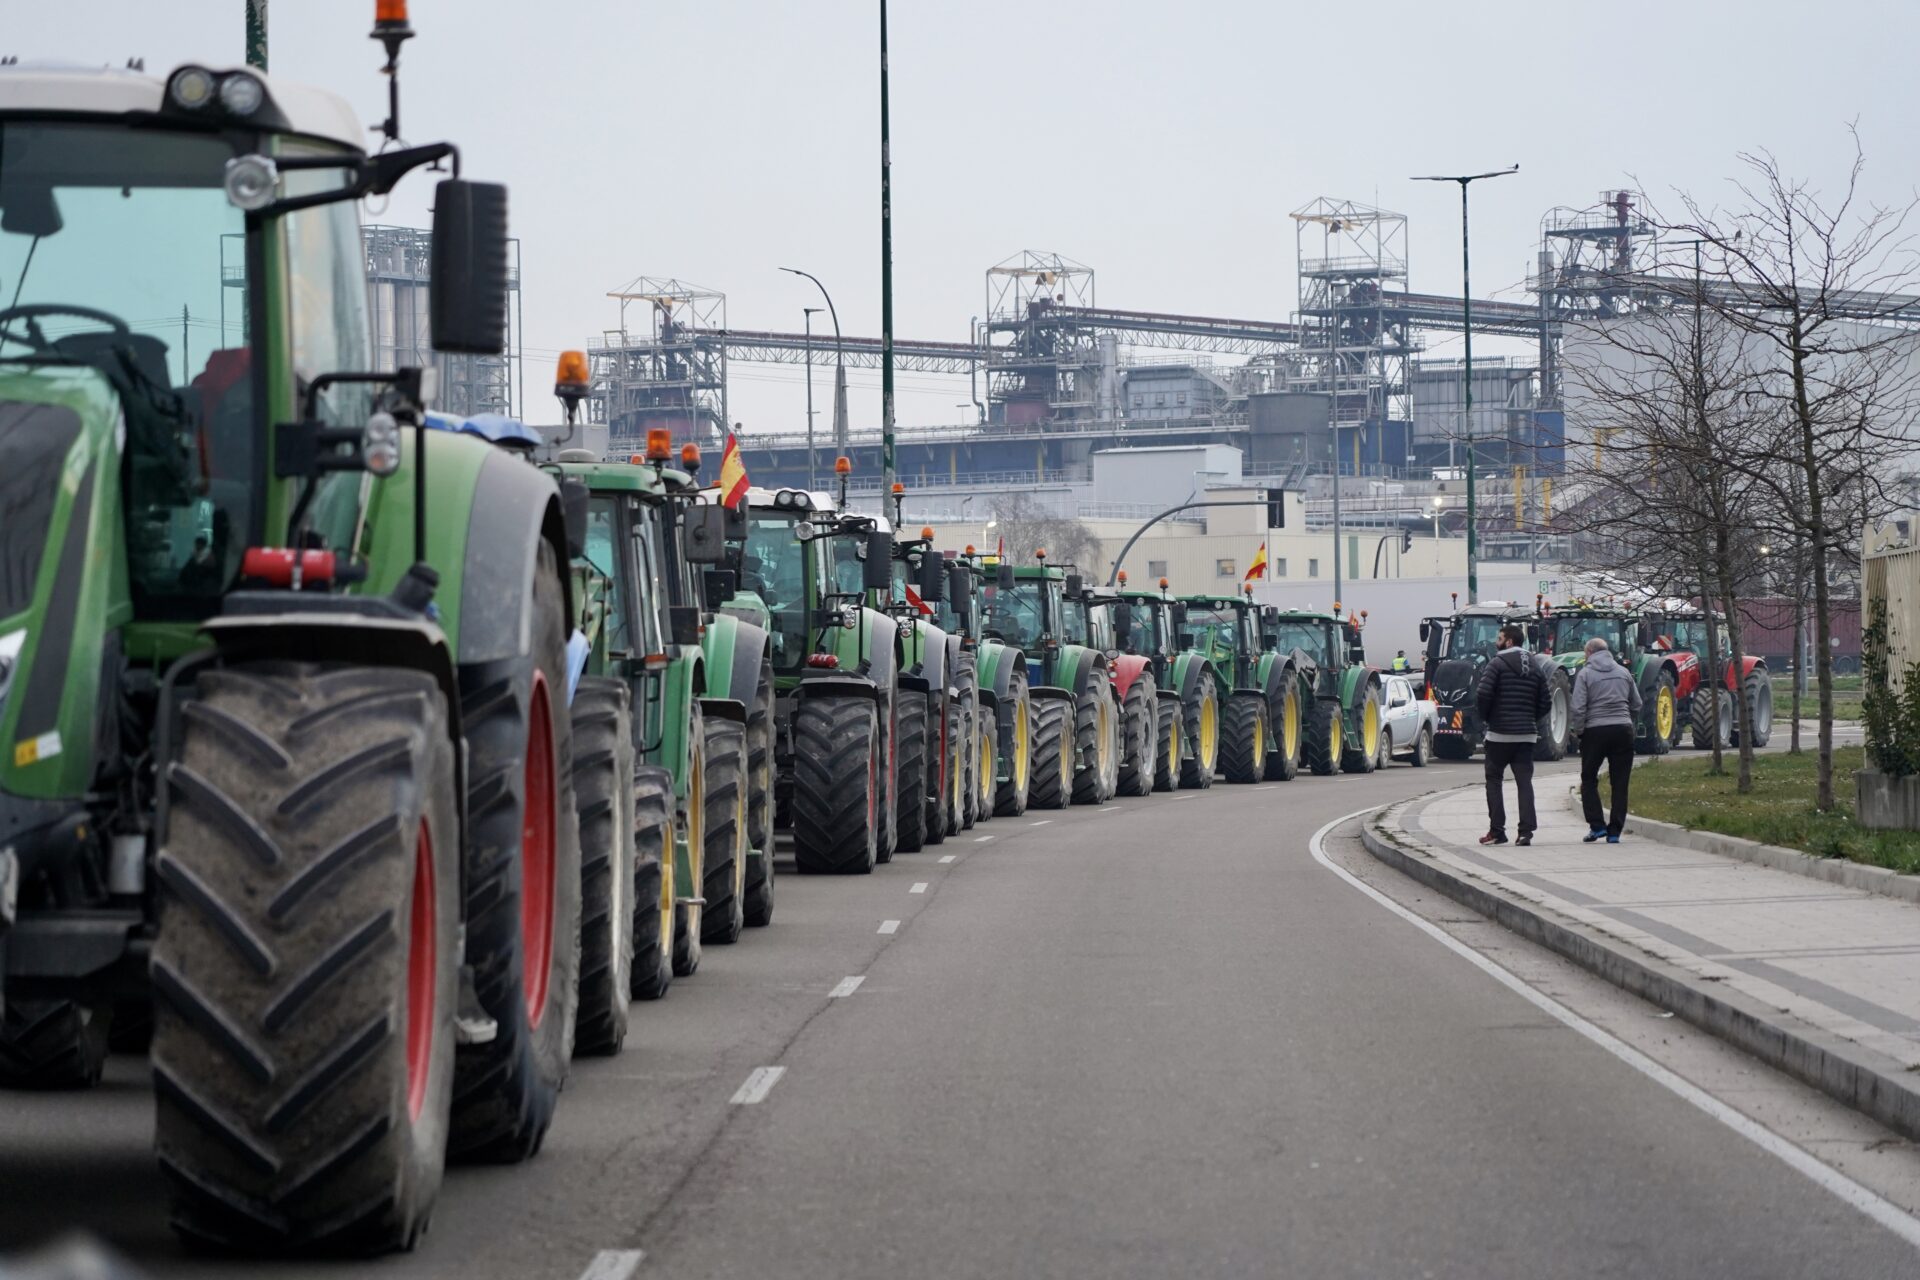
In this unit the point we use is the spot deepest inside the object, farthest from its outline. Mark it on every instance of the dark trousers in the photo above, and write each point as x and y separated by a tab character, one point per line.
1612	745
1517	756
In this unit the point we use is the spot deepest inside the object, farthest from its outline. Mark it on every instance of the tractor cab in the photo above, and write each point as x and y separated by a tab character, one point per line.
1667	677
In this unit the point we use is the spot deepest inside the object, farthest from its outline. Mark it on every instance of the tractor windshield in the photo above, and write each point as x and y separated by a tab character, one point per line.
1314	637
1139	635
1215	631
1568	634
1019	613
119	250
1690	634
1473	636
773	566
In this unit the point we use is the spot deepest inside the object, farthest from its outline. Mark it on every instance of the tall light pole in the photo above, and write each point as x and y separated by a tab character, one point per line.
886	274
1466	310
1439	501
839	364
809	313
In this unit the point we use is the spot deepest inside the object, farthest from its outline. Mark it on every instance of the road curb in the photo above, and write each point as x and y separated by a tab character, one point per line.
1867	1081
1853	875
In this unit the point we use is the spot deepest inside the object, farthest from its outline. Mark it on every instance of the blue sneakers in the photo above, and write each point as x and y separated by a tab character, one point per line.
1593	835
1613	839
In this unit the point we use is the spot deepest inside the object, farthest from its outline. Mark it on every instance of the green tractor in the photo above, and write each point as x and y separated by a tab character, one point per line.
1343	722
999	773
1093	619
286	676
681	698
1187	706
1076	720
936	698
805	574
1459	646
1564	632
1269	712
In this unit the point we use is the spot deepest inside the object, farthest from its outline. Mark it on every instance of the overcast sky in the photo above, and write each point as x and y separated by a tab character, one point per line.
1161	143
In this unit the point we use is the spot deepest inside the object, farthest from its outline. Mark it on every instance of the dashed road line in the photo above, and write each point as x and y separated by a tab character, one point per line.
613	1264
981	839
948	857
889	926
758	1086
1112	808
846	988
919	886
1043	822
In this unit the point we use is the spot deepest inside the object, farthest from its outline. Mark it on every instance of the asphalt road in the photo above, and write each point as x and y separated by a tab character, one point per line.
1160	1040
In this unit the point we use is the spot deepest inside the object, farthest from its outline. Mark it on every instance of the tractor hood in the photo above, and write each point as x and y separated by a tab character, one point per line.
1454	680
62	571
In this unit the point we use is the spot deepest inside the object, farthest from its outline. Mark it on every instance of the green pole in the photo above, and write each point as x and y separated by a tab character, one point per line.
886	274
257	34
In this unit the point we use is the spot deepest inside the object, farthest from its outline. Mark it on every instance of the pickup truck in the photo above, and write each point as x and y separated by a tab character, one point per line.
1406	723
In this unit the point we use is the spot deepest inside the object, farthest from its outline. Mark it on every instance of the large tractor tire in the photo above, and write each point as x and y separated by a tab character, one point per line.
1015	747
1051	786
723	869
1759	694
1363	756
52	1044
689	912
910	818
760	815
1662	719
1166	744
523	888
1325	737
1555	728
1140	738
1243	738
603	790
1200	729
1096	742
306	970
947	817
938	805
967	678
1702	728
986	765
836	785
1286	716
652	882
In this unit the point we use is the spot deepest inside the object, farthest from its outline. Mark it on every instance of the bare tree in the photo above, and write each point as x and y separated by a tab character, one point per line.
1026	527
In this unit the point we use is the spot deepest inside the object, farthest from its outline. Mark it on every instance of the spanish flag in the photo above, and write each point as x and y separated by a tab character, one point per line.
1258	569
733	475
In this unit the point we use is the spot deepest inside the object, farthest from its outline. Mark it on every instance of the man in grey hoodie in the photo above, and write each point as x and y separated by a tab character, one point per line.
1606	707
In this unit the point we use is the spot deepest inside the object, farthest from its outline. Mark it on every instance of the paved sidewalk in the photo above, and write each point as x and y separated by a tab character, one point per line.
1817	966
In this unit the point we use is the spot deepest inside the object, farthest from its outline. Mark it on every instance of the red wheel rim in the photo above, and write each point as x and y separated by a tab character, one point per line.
537	831
422	974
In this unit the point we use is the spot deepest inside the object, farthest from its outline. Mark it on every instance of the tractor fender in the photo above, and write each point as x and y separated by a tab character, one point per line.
413	643
735	650
685	676
1049	693
1126	669
1688	672
514	507
1077	664
994	671
828	685
1353	684
725	709
916	683
933	655
1748	665
1186	673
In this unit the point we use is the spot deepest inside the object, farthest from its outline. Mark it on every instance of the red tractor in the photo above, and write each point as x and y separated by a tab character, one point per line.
1685	631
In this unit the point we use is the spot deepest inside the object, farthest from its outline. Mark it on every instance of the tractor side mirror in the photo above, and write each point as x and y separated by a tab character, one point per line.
1123	623
736	522
933	577
573	516
683	623
1270	614
960	588
877	569
1179	615
720	585
1425	627
1076	586
1643	635
1003	575
1535	635
706	534
467	280
1432	635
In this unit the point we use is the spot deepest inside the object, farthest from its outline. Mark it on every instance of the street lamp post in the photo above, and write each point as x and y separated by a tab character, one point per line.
809	313
1438	503
886	272
839	363
1466	311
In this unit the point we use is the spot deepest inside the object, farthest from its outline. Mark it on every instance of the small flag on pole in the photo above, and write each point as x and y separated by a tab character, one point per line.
1258	569
913	598
733	475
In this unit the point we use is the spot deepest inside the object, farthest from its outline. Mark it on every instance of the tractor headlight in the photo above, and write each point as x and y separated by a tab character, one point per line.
251	182
805	532
242	94
191	88
380	444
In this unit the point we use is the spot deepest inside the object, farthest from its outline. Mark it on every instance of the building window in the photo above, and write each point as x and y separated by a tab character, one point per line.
1313	568
1160	399
1223	569
1180	398
1156	569
1138	401
1280	567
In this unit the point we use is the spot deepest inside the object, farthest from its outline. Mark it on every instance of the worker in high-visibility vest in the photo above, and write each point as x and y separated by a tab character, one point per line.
1400	662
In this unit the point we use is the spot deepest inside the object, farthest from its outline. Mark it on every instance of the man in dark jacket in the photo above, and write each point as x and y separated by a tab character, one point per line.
1512	697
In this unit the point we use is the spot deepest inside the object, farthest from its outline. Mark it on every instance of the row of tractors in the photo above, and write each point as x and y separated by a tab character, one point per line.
1666	651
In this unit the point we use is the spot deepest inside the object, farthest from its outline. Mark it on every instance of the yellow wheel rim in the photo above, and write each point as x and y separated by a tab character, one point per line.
1333	738
1022	745
1370	729
666	890
1209	744
1259	741
1663	713
1290	724
1066	761
987	763
696	834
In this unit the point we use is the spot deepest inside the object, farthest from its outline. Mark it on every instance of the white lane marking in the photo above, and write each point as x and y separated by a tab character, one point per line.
1187	796
1867	1201
1112	808
1043	822
846	988
613	1264
981	839
889	926
948	857
919	886
758	1085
